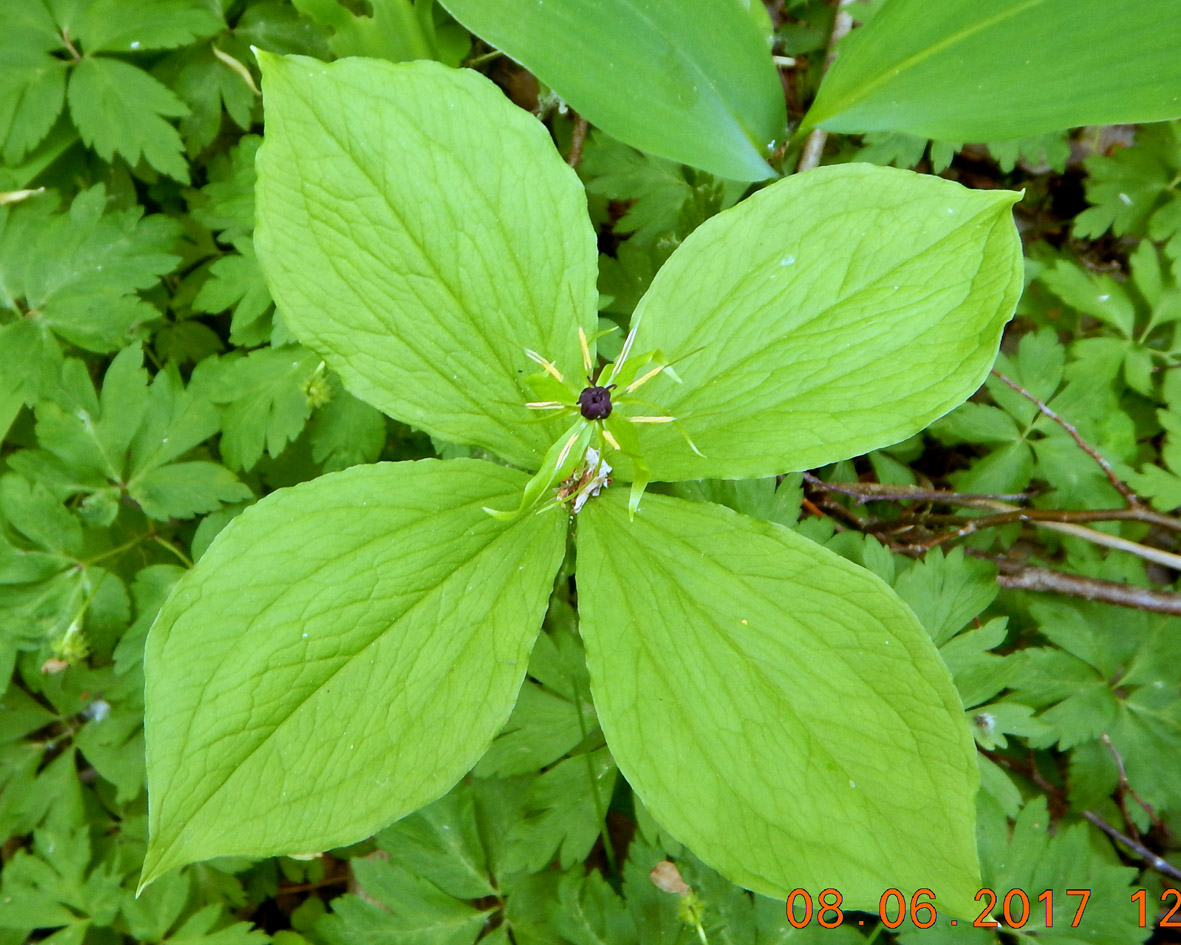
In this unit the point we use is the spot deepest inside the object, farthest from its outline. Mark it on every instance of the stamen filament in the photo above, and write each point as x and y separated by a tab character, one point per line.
645	379
652	419
586	356
625	350
566	449
549	367
610	438
545	405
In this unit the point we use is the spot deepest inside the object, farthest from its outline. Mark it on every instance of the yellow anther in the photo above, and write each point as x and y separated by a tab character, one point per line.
586	355
645	379
549	367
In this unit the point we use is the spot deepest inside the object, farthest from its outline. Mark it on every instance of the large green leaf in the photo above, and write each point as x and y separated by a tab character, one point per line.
952	69
832	313
694	82
421	232
777	708
341	655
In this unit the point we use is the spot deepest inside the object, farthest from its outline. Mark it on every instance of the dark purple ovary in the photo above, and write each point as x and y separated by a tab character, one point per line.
595	403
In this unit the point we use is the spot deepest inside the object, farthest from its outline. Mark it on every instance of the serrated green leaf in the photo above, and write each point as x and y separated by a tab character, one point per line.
832	313
345	652
441	843
209	86
52	886
655	188
77	273
236	282
562	809
122	26
711	95
346	431
32	510
946	592
1146	731
542	728
448	269
392	32
32	92
978	674
1065	859
266	401
589	913
940	69
406	910
1128	186
785	708
119	109
226	203
183	490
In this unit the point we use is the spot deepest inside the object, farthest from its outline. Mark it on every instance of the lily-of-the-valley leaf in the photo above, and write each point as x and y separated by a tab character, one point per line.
347	649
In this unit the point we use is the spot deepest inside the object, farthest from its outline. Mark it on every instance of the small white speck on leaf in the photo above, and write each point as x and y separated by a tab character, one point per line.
787	260
135	44
1126	199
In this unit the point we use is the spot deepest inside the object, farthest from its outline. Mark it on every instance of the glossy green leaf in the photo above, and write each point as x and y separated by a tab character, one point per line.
830	314
344	652
951	69
693	83
421	232
777	708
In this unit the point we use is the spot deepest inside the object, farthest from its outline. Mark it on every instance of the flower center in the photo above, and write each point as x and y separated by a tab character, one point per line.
595	402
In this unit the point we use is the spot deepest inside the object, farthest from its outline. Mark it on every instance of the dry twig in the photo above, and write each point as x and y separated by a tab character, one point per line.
1066	425
814	144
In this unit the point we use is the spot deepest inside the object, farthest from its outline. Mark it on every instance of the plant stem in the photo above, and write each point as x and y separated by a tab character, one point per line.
600	811
814	145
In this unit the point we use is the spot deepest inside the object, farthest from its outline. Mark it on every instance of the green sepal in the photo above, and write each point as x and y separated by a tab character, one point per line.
558	464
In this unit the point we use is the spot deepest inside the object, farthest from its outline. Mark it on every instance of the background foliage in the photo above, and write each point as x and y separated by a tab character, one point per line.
149	391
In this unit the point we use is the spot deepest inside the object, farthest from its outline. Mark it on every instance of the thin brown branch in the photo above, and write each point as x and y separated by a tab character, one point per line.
1154	861
1125	787
1066	425
1021	577
814	144
577	140
1151	859
1067	521
865	492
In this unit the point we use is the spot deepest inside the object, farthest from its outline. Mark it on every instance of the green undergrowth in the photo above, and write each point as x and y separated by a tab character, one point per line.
150	392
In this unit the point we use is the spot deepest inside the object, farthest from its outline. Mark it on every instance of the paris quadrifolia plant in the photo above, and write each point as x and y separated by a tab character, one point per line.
347	649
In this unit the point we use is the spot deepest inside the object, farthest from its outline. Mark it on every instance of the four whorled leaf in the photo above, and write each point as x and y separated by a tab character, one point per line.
346	649
711	96
951	69
777	708
421	233
832	313
343	653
